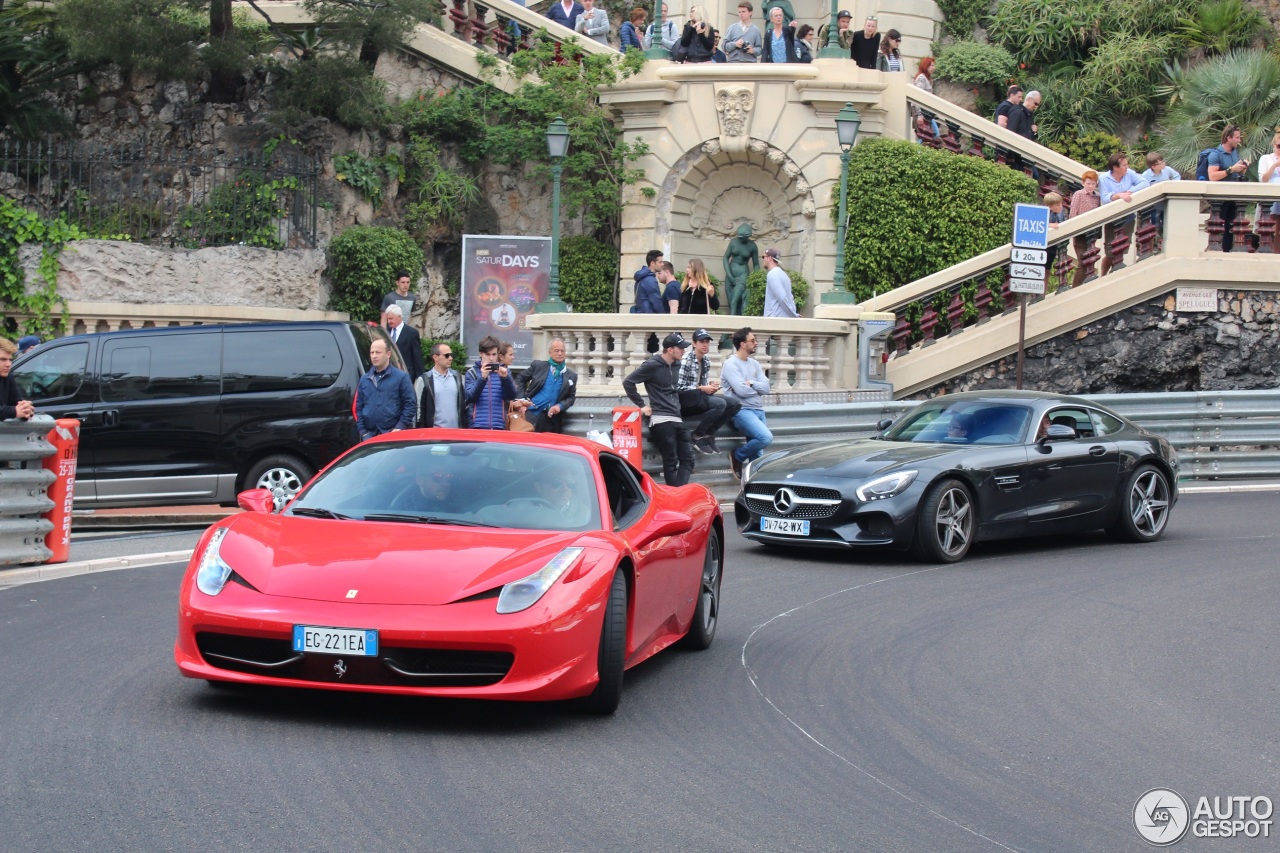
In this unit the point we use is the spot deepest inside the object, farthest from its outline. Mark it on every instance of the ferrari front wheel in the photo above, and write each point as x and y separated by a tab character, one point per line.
945	523
613	650
707	614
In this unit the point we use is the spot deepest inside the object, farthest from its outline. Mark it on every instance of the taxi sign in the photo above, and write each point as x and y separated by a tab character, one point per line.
1031	226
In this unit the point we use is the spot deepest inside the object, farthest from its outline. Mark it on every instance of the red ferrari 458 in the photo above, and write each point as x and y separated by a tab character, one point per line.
493	565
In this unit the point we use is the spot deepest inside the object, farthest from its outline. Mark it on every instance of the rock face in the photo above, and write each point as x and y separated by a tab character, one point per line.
110	271
1147	348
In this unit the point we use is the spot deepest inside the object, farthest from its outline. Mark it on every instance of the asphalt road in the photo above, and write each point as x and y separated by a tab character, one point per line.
1022	700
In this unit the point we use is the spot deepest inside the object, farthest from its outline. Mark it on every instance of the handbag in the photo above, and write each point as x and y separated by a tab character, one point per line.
516	421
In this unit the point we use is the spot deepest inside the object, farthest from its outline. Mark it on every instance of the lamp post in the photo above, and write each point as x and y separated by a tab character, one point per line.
847	122
557	147
832	49
657	50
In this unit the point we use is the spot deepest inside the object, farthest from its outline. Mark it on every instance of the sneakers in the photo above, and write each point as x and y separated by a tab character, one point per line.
705	444
736	465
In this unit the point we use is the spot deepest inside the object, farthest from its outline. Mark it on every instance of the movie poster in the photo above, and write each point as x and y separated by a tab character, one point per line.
503	280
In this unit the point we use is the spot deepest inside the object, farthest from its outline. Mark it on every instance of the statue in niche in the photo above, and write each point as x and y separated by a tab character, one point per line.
741	258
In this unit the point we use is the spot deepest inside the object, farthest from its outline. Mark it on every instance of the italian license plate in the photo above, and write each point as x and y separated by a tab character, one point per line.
789	526
354	642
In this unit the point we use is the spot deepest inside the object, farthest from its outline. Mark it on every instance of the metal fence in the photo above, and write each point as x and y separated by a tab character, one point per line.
167	197
1219	435
23	482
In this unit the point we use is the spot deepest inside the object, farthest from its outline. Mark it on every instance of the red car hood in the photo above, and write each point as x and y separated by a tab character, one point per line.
380	562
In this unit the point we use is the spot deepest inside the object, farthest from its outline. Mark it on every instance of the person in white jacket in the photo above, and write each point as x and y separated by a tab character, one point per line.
593	23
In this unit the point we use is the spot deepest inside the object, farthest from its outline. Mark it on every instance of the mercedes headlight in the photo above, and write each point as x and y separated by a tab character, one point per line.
524	593
212	573
886	486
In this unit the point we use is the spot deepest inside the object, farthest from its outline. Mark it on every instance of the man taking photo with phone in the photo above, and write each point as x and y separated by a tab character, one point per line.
488	387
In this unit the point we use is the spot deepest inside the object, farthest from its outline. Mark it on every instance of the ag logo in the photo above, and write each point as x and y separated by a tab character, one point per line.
1161	817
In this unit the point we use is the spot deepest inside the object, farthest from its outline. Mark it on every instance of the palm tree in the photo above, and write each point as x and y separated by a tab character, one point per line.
33	62
1241	87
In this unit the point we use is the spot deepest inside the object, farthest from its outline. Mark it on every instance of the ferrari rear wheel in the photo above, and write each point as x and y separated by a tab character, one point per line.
1145	513
613	649
707	614
945	523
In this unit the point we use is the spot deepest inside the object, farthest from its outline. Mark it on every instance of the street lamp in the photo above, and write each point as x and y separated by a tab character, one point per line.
657	50
557	147
847	122
832	49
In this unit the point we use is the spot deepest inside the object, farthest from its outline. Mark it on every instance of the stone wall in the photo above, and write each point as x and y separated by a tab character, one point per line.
1150	347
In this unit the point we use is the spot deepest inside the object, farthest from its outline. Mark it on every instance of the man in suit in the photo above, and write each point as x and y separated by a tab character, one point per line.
549	388
407	340
564	12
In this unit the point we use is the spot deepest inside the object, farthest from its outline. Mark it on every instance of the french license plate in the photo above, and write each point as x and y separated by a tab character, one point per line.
789	526
354	642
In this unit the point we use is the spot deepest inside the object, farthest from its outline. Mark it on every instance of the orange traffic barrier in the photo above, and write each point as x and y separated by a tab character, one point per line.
626	435
65	438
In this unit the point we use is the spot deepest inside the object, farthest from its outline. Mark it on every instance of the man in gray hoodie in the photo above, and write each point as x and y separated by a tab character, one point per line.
660	375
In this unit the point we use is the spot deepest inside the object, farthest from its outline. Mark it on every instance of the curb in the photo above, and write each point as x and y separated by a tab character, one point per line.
34	574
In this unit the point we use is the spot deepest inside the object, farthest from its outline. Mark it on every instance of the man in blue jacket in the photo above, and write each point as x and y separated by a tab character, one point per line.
384	397
648	290
564	13
488	387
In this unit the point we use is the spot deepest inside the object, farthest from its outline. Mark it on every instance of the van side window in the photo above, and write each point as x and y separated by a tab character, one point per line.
157	367
53	372
280	360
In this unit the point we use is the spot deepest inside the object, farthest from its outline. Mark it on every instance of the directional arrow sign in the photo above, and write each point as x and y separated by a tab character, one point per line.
1029	256
1031	226
1026	271
1026	285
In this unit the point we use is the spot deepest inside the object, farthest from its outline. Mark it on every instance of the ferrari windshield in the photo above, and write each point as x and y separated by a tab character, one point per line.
465	483
963	422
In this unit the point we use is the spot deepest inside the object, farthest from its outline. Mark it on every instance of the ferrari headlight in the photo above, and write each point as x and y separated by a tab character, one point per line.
212	574
886	486
524	593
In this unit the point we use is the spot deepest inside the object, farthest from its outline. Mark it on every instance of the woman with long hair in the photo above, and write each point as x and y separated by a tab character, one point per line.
698	37
697	293
924	80
890	58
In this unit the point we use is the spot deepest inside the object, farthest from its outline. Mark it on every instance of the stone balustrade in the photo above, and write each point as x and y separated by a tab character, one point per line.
799	355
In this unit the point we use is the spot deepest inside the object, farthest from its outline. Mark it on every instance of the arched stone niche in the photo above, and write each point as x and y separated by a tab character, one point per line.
709	192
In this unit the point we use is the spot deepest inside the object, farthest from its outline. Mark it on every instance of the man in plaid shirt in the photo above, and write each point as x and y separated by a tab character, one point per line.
698	394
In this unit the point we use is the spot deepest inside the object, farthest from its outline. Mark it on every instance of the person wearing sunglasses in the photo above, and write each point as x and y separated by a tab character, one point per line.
561	489
441	403
431	492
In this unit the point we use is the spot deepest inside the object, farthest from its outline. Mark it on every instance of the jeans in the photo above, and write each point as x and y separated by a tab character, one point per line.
676	446
543	422
716	410
751	422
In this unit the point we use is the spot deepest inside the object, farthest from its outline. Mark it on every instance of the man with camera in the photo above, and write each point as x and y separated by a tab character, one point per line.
1225	164
488	387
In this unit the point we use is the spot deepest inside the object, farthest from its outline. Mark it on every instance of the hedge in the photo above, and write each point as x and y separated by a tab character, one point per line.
756	285
363	263
588	275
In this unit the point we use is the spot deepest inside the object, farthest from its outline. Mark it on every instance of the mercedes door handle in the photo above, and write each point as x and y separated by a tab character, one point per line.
1097	451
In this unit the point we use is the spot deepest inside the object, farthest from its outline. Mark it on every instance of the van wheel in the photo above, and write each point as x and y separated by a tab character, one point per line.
282	473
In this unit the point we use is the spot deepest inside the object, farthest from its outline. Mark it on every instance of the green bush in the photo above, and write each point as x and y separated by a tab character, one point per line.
962	17
1125	70
588	275
336	87
756	285
1091	149
975	64
914	211
1218	26
363	261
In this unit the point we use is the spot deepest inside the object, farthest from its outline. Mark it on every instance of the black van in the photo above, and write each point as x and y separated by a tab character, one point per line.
196	414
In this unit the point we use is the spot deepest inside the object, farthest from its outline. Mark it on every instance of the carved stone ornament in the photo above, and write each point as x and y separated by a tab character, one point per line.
711	147
733	104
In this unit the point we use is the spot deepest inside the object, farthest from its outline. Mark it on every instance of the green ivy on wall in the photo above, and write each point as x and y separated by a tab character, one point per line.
18	227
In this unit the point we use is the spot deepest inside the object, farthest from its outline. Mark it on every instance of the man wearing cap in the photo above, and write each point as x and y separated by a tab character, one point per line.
866	44
27	342
778	301
843	33
666	426
698	394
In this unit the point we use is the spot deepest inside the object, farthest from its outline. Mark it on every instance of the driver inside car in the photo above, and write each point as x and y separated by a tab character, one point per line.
430	492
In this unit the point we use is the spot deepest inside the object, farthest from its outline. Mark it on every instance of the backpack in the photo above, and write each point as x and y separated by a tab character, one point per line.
1202	164
679	53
